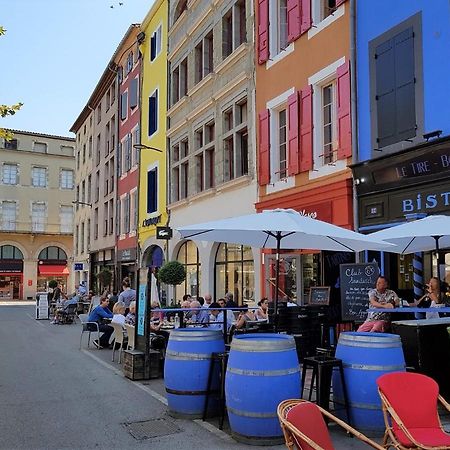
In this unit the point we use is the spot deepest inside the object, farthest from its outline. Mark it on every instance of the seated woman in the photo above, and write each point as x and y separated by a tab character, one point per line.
244	317
431	298
262	312
130	318
119	313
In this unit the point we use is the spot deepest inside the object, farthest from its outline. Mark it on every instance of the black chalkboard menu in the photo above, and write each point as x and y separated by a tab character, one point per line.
319	295
356	280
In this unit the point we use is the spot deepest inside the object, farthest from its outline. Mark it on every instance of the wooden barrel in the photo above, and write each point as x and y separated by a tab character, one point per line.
365	357
186	369
262	371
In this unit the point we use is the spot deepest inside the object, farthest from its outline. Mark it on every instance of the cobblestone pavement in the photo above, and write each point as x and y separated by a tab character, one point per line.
54	396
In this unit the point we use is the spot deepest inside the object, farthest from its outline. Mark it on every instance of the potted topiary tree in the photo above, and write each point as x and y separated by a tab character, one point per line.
105	278
172	273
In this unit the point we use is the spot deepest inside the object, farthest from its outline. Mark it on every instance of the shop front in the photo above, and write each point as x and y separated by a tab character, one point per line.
11	273
302	269
52	265
400	187
126	263
102	261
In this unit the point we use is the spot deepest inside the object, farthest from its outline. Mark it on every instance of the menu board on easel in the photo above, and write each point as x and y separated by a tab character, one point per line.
319	295
356	280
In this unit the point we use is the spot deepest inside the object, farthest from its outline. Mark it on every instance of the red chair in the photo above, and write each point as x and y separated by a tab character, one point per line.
304	427
409	402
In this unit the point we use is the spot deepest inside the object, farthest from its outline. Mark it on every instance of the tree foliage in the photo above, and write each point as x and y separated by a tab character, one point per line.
6	110
172	272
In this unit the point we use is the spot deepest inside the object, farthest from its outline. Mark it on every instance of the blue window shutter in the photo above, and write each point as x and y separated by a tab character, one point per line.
134	93
153	47
124	105
153	113
152	190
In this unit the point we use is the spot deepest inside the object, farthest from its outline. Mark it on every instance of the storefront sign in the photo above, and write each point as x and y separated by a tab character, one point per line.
127	254
151	221
78	266
164	233
12	266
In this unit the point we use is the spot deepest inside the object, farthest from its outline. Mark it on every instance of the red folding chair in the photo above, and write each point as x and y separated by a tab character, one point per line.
409	402
304	426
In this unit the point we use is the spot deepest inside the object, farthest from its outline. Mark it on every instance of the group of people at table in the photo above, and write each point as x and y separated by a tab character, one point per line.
202	312
383	298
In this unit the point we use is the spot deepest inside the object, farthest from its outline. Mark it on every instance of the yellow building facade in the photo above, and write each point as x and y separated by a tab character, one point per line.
152	167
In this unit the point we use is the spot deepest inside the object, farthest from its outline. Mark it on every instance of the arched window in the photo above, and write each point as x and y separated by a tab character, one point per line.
53	253
181	7
189	257
235	273
10	252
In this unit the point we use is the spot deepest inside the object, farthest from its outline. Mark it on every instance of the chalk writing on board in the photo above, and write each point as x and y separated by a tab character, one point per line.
356	281
319	295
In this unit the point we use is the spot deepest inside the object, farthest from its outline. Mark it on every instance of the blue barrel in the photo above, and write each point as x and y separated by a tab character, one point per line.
365	357
186	369
262	371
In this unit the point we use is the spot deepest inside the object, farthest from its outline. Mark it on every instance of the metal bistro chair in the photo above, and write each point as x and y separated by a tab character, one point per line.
118	338
88	327
67	316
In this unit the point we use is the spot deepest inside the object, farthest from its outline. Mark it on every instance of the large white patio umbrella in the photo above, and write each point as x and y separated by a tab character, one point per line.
430	233
282	228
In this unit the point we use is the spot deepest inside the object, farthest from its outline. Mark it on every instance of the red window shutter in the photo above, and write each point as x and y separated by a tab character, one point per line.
306	18
264	148
343	111
293	134
339	2
306	130
263	31
293	19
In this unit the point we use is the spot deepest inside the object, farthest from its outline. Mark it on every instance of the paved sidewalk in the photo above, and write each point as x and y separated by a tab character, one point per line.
54	396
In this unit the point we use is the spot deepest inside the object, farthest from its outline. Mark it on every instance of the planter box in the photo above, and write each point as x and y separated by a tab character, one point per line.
134	365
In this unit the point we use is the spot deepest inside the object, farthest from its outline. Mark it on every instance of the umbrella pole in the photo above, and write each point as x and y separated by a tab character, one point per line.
436	238
277	281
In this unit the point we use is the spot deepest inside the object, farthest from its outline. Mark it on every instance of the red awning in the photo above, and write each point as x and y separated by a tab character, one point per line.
53	270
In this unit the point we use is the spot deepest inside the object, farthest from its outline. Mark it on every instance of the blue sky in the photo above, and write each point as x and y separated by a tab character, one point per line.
54	53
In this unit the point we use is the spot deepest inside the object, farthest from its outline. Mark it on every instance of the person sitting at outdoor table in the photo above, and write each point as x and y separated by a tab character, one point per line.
216	322
229	314
432	298
130	318
262	312
99	313
244	316
200	315
380	297
62	311
119	313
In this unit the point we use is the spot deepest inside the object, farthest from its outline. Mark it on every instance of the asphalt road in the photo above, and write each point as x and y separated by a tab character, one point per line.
53	396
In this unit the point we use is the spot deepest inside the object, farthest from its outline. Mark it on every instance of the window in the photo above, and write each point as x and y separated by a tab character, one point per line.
77	198
136	140
188	256
113	93
328	122
396	84
235	141
235	272
10	252
78	158
134	87
10	174
155	44
53	253
40	147
204	57
124	105
9	216
90	147
107	136
11	145
133	210
106	179
108	99
66	219
127	149
99	113
129	66
179	81
125	205
97	186
153	113
84	153
105	219
234	28
97	153
96	223
77	233
39	177
152	190
181	7
88	234
89	189
282	35
38	216
111	175
83	191
113	134
66	179
282	138
82	241
327	7
180	170
111	216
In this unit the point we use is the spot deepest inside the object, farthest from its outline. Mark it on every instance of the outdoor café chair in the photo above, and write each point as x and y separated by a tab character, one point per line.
409	403
118	338
131	336
304	426
66	316
88	327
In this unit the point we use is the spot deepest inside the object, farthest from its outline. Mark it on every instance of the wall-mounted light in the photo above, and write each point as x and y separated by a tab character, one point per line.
143	146
432	134
140	37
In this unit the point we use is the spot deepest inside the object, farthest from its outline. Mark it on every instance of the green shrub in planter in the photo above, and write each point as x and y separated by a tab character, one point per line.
105	277
52	284
172	273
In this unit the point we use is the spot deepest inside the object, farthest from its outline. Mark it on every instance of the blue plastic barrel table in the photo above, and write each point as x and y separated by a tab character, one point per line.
263	370
365	357
186	369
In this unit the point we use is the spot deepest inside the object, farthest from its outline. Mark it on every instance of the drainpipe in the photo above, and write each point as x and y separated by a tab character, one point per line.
354	115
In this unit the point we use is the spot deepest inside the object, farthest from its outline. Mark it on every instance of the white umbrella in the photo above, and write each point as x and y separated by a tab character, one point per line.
282	228
430	233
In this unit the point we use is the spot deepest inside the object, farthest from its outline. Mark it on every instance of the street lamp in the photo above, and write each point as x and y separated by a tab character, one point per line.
143	146
76	202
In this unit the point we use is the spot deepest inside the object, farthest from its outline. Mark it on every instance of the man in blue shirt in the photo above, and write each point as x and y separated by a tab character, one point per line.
97	315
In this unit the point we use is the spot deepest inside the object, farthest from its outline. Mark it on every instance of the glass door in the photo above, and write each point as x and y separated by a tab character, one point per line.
290	278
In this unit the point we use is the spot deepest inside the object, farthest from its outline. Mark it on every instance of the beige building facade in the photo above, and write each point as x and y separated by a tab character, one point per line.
211	140
37	191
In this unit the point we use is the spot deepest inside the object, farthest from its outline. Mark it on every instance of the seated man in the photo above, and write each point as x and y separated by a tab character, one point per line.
380	297
200	316
229	314
97	315
61	314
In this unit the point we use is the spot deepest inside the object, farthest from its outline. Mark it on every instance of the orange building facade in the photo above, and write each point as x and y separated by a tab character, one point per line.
304	129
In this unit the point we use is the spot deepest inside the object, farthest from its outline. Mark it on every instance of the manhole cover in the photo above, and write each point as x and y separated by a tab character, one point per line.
151	428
